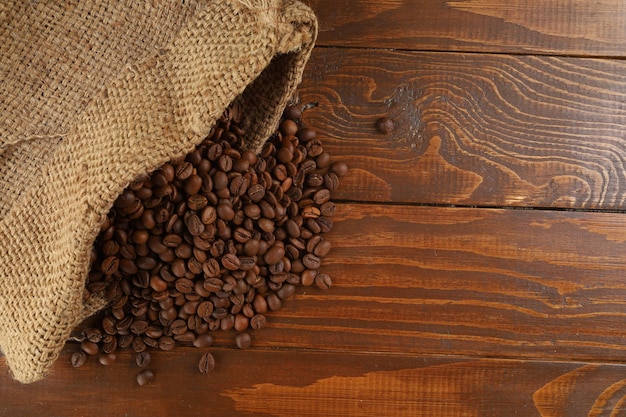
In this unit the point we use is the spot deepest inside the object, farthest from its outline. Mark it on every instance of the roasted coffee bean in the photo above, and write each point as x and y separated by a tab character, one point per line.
93	335
139	326
208	215
286	291
194	224
184	170
274	255
107	359
110	265
311	261
385	124
145	377
207	363
203	341
90	348
172	240
109	343
243	340
307	277
328	209
306	134
139	345
166	343
258	321
205	310
230	262
273	302
339	168
256	192
143	359
323	281
125	340
197	202
78	359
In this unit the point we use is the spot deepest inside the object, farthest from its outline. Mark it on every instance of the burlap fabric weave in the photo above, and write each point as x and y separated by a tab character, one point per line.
94	94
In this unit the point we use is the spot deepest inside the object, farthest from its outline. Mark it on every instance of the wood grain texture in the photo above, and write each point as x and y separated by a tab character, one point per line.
476	129
321	384
457	281
497	283
557	27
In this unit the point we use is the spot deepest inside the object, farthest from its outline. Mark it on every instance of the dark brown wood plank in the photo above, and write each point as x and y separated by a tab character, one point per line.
479	282
326	384
556	27
476	129
459	281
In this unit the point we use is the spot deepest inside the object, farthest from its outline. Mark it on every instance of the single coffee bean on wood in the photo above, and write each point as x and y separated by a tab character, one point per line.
207	363
145	377
143	359
78	359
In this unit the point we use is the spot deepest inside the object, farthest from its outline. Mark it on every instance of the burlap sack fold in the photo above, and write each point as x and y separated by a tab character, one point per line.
94	94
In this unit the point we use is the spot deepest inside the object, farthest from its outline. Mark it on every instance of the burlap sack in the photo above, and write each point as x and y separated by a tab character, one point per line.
93	94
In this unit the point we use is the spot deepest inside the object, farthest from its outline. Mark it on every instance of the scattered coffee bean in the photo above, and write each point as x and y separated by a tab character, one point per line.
145	377
78	359
323	281
107	359
243	340
143	359
207	363
385	124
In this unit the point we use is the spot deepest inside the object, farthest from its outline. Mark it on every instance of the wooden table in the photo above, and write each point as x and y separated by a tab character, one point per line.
479	249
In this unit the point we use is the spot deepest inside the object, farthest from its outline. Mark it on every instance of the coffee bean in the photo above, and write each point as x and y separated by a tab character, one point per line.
143	359
339	168
311	261
328	209
184	170
194	224
93	335
273	302
78	359
107	359
205	310
203	341
274	255
243	340
258	321
306	134
286	291
197	202
207	363
172	240
110	265
145	377
139	326
323	281
166	343
90	348
385	124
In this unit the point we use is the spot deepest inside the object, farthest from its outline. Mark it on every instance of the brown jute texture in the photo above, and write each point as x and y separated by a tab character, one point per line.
94	94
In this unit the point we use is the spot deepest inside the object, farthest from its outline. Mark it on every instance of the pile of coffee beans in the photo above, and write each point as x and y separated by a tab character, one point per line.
212	241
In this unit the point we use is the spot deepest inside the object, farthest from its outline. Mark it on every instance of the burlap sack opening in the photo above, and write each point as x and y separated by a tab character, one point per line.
94	95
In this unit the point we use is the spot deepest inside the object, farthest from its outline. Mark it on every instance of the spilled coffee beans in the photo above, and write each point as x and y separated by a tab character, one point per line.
213	240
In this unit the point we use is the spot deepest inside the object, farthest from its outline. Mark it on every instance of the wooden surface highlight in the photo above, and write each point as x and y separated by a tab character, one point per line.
556	27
